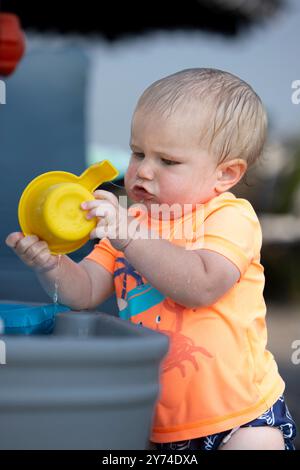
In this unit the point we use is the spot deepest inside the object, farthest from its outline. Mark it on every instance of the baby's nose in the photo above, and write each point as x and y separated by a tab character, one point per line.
145	170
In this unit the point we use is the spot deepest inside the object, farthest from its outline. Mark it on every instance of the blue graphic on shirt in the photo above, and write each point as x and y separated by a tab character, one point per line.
138	299
128	270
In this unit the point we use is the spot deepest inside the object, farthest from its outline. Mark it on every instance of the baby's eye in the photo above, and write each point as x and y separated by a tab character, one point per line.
169	162
137	154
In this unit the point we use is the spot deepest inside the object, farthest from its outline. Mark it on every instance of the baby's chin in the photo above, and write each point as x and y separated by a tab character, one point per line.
162	209
167	211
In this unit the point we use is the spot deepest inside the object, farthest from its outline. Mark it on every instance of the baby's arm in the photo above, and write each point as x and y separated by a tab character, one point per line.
191	278
80	286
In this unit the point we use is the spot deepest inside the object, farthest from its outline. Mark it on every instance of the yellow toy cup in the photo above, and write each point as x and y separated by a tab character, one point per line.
50	206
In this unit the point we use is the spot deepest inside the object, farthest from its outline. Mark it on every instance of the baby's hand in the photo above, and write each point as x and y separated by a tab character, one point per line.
32	251
113	218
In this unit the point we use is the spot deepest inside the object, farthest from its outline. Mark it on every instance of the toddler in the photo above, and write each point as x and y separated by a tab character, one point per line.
185	260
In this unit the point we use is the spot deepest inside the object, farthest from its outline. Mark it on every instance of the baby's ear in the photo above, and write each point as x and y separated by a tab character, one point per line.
229	173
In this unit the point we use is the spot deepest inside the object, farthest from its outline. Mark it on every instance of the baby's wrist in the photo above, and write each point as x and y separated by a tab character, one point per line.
121	245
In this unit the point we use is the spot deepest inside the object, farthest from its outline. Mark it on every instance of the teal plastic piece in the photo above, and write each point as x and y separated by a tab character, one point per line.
21	319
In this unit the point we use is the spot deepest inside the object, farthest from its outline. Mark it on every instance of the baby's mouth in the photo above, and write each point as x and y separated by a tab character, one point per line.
141	193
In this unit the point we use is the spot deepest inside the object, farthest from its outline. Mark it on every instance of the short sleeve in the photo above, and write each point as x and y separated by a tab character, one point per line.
233	231
105	254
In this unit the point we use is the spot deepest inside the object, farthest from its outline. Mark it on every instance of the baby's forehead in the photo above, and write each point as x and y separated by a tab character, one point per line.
179	135
191	120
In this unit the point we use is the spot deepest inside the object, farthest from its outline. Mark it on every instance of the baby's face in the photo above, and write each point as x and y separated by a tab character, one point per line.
167	164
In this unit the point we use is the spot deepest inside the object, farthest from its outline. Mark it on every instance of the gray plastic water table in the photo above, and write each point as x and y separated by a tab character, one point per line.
91	384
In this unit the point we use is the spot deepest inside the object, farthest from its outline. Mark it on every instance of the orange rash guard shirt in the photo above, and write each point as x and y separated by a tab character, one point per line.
218	373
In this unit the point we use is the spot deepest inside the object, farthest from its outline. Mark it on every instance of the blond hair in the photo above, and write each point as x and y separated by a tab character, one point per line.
236	121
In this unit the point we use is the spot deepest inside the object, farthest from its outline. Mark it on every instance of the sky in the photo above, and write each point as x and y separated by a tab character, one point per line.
267	56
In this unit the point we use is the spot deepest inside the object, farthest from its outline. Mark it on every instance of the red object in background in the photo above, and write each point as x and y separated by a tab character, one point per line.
12	43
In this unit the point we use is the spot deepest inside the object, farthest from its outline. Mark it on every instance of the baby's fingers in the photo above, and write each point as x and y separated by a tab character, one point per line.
42	260
25	244
106	195
13	238
89	205
104	210
33	251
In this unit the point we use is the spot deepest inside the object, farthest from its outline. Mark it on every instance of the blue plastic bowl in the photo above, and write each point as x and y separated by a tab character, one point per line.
21	319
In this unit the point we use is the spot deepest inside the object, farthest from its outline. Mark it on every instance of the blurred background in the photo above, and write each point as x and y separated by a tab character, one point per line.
69	103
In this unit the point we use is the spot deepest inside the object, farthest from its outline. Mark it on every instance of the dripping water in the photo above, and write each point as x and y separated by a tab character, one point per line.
56	283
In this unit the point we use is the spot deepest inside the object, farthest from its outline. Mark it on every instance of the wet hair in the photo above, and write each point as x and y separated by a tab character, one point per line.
235	118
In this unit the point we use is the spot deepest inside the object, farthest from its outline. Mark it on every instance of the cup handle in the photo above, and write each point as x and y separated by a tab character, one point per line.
97	174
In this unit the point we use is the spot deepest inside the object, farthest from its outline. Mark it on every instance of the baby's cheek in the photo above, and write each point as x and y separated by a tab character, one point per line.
130	174
185	192
172	191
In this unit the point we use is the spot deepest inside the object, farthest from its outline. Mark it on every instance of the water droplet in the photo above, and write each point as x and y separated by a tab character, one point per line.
56	284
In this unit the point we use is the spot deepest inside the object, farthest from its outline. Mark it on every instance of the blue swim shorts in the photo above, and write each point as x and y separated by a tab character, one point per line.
277	416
